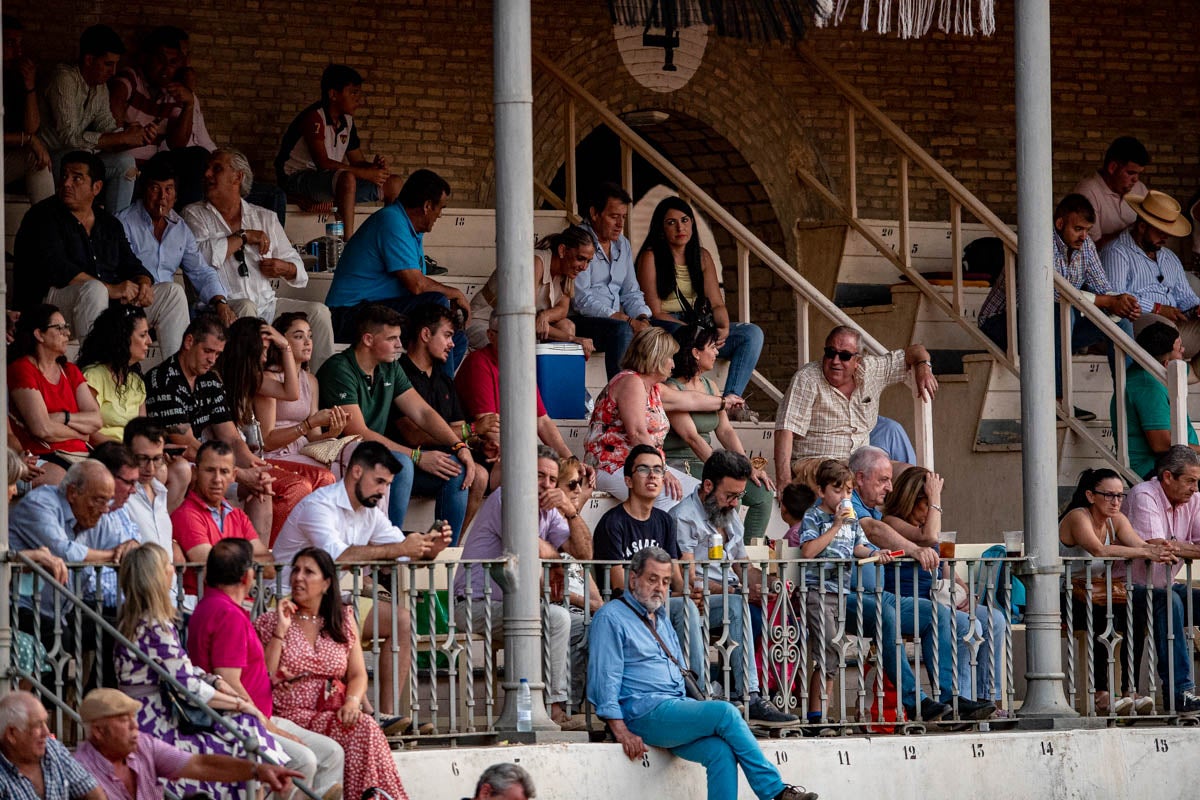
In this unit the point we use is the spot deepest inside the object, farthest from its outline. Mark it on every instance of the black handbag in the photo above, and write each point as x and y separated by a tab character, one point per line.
699	313
691	681
190	718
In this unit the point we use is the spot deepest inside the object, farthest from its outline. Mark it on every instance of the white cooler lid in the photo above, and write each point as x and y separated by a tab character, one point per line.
559	349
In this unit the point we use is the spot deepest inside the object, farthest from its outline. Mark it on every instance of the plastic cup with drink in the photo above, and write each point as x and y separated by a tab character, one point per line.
946	540
1014	543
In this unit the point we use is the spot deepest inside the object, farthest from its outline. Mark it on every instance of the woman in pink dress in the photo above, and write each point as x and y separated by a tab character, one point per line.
316	662
632	410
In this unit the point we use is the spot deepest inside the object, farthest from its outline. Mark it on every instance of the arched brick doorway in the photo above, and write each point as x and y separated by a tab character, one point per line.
709	159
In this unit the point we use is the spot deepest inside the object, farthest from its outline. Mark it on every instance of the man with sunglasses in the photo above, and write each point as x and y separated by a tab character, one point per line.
832	405
709	515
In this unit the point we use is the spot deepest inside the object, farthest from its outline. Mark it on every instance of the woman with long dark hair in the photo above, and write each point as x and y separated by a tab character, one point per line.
53	411
689	442
681	285
109	358
557	261
1092	526
313	637
241	366
289	425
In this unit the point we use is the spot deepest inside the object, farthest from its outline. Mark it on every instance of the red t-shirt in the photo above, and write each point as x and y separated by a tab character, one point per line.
221	635
478	384
60	396
193	525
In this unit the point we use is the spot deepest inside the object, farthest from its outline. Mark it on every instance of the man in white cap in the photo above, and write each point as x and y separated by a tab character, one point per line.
1136	262
128	764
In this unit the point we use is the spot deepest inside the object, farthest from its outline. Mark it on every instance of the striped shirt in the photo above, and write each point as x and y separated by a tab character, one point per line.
1150	280
63	777
1080	267
826	423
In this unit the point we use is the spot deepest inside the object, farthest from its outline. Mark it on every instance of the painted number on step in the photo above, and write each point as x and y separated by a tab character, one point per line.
1047	748
454	767
1160	745
910	752
844	758
768	435
1093	368
889	232
460	222
977	750
780	757
645	760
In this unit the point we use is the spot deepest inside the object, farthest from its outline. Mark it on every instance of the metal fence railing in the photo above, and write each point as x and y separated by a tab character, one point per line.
861	667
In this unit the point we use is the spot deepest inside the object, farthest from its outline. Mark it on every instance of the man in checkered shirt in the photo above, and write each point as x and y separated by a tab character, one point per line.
832	405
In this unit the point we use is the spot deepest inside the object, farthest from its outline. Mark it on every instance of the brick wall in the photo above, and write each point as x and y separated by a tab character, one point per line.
1118	68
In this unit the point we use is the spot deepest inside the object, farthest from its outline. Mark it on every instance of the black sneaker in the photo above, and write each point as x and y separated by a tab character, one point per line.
796	793
1186	702
765	714
432	267
931	711
975	710
1082	414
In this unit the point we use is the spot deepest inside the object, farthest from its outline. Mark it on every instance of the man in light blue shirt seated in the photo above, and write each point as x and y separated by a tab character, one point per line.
636	686
71	521
164	243
385	262
1138	263
608	306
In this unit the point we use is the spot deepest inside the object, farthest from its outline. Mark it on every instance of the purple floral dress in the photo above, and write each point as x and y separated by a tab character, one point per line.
161	641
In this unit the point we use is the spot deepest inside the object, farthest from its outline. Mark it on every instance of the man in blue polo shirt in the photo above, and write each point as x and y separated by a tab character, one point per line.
385	262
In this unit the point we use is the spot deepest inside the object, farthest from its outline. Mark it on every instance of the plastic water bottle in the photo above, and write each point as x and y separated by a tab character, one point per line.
524	708
335	234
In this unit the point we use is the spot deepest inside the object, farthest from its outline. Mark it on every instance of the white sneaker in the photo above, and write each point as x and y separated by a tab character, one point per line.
1143	704
1122	706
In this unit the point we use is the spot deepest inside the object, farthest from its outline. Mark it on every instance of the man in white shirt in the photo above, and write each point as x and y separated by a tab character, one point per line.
151	503
248	246
345	520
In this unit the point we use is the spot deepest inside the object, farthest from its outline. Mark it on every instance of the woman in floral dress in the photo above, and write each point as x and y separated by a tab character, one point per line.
632	410
147	618
316	663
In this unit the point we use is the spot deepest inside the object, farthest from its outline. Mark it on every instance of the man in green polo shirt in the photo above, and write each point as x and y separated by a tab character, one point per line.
1147	406
367	381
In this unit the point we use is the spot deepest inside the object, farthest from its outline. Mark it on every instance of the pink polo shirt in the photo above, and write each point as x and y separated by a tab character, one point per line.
1153	517
221	635
153	759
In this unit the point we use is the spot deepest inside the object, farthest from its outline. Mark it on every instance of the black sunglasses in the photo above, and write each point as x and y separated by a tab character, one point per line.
240	255
575	484
844	355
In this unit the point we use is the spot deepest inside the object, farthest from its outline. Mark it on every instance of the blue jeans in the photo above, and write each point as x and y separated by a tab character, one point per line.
450	498
714	734
612	336
989	659
343	318
735	613
1084	333
742	348
685	619
876	619
1174	654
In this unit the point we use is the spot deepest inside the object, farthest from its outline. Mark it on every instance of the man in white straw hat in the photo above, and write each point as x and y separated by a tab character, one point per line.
1136	262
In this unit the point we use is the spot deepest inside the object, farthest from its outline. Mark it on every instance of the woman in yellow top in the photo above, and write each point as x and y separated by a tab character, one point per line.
681	285
109	357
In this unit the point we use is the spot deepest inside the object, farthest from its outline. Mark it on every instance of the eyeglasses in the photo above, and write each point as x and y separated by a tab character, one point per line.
240	255
145	461
645	469
1112	496
575	484
844	355
62	327
733	496
125	481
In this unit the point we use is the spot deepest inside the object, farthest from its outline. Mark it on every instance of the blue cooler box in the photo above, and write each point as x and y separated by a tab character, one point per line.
561	381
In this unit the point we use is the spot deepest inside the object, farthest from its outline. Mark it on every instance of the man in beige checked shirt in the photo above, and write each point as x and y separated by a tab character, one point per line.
833	404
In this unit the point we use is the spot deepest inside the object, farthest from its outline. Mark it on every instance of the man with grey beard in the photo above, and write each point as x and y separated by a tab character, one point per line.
635	683
703	519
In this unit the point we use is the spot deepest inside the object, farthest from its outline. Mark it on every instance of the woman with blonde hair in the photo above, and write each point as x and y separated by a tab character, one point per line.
148	618
632	409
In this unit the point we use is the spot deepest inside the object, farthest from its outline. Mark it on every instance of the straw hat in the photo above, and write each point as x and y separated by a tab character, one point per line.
1162	211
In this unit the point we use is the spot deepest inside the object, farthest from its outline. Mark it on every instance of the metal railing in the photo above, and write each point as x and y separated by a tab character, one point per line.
858	107
807	297
957	644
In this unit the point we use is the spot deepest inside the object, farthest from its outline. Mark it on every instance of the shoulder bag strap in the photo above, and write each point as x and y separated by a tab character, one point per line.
653	632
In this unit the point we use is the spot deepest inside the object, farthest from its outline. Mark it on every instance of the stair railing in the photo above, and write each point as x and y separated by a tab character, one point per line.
911	154
807	297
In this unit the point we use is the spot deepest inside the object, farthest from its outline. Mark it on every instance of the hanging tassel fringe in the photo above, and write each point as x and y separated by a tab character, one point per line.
789	19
